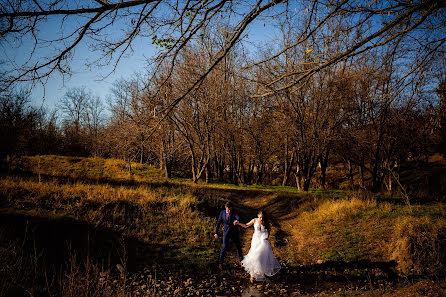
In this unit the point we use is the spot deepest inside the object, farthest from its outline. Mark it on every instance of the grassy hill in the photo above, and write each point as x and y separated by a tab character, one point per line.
77	220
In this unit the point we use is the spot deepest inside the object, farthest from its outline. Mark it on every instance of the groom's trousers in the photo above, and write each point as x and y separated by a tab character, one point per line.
234	236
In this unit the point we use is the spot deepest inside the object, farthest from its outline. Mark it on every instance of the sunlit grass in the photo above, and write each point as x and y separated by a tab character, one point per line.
321	225
351	229
93	169
142	212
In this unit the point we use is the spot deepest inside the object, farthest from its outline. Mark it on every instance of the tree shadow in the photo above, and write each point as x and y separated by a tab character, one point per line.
340	271
60	240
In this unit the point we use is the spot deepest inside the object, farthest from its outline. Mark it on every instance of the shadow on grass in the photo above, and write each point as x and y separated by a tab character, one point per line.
333	275
56	240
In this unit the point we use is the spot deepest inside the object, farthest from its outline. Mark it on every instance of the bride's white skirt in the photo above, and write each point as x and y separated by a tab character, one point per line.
260	260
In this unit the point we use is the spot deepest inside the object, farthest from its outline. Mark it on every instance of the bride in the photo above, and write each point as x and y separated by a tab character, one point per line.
260	260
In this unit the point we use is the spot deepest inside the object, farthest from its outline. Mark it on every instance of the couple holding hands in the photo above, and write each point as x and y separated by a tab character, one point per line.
260	260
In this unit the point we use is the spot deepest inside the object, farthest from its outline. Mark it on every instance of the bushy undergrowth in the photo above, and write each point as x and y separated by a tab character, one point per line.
352	229
418	244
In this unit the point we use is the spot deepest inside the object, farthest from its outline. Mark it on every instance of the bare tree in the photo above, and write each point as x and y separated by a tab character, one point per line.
18	123
173	25
74	105
94	121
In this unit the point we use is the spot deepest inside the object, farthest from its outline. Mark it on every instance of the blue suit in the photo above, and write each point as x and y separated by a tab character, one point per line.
230	231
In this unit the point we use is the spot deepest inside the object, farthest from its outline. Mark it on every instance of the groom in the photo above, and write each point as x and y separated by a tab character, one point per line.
230	232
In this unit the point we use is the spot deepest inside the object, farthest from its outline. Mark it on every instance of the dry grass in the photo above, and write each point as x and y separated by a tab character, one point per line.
316	233
26	274
140	212
336	210
354	229
102	194
419	245
321	225
57	194
419	289
92	169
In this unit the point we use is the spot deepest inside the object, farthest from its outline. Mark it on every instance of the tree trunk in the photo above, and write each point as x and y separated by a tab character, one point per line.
169	170
376	182
389	180
250	175
141	159
306	174
161	158
298	178
307	182
285	179
288	166
324	164
350	173
194	174
361	169
130	166
240	171
217	167
207	173
234	169
259	178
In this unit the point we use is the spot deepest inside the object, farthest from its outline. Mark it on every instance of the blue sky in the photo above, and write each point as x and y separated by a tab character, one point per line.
93	78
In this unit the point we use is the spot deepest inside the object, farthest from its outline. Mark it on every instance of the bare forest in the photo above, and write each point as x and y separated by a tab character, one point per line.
329	90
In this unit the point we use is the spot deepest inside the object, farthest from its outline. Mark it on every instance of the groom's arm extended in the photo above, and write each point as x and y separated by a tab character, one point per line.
218	224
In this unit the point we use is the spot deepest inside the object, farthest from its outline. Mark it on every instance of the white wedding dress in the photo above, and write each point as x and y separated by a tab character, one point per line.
260	260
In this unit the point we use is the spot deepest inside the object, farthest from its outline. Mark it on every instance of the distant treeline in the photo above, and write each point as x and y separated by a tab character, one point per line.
357	116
